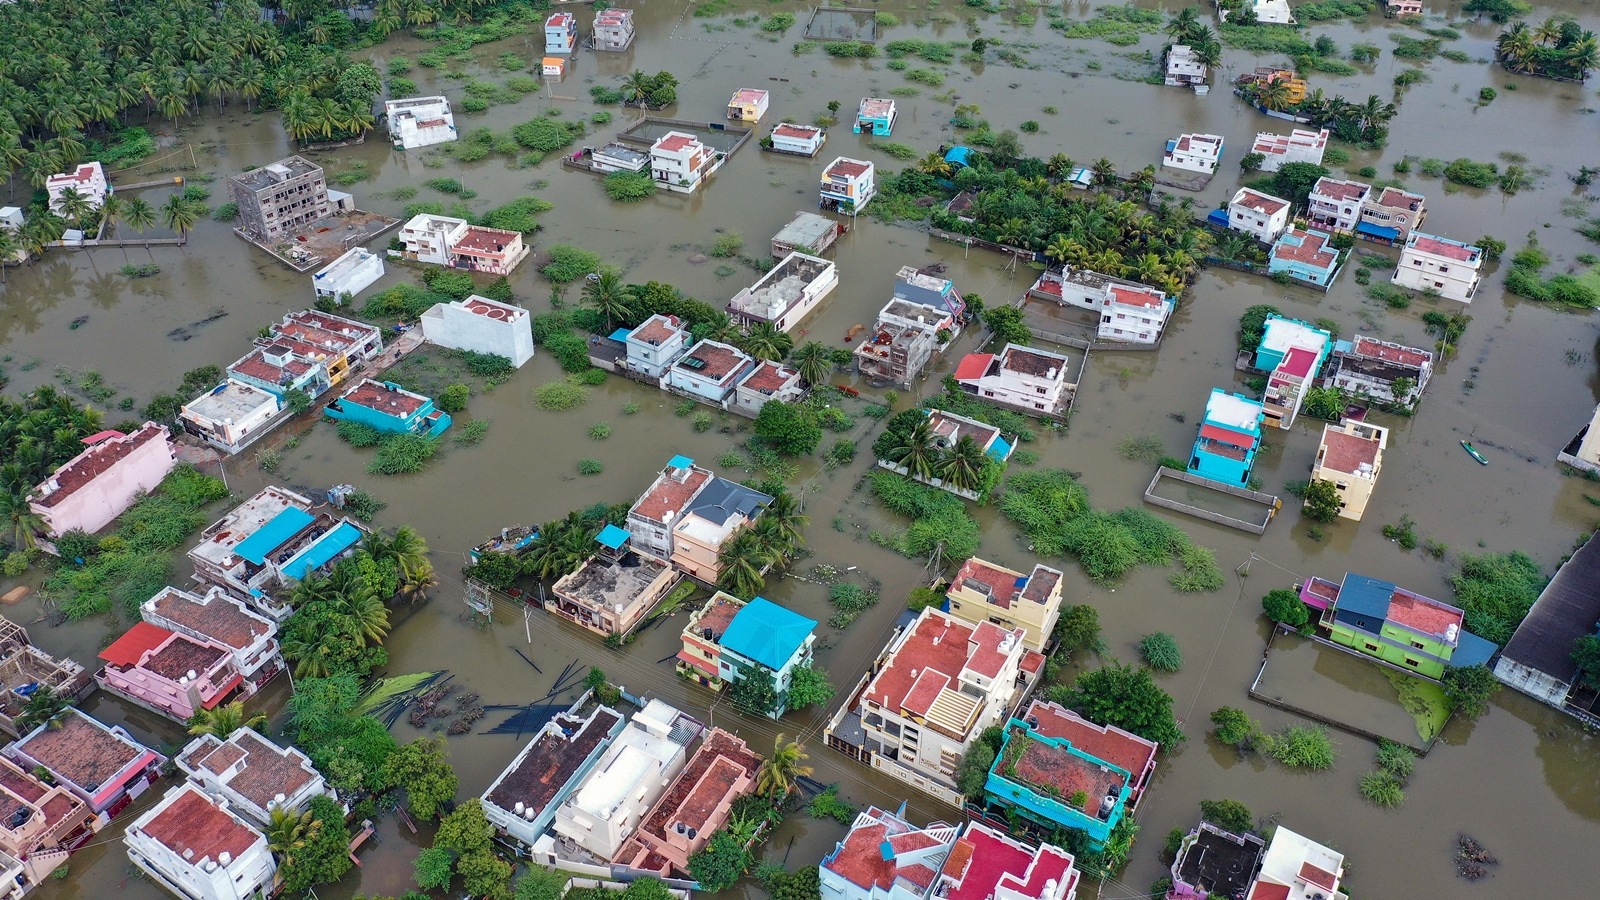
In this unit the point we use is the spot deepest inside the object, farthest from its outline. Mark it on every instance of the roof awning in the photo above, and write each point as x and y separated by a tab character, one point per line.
324	549
132	646
272	535
613	537
1378	231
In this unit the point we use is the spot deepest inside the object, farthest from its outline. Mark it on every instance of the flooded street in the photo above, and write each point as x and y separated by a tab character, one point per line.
1522	780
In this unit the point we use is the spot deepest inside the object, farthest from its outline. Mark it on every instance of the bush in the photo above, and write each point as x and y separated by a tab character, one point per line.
16	564
1468	689
590	466
1285	607
560	396
1300	747
827	805
358	434
789	428
546	135
1322	501
779	22
727	245
1230	815
629	187
401	454
1234	727
1396	759
1123	696
568	264
518	215
1160	652
363	505
1382	789
1496	590
453	399
1472	174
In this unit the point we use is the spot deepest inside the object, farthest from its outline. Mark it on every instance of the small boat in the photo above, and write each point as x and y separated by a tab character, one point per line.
1474	451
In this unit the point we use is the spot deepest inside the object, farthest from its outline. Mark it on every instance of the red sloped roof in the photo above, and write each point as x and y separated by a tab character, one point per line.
227	688
128	649
1217	433
973	365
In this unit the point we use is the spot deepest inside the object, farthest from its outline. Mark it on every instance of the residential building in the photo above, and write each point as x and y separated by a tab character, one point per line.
1193	152
101	765
1212	862
496	251
553	68
14	878
988	864
949	428
389	408
1401	627
614	589
1448	268
938	685
11	220
1337	204
875	116
278	199
1262	216
560	33
1230	435
1402	8
251	774
709	371
1306	255
1350	458
346	277
613	30
625	783
1297	868
1264	75
428	238
481	325
278	370
656	344
416	122
1390	215
231	416
1382	371
714	515
1127	311
848	185
88	180
89	491
199	849
220	619
1298	145
697	803
1026	378
168	673
766	637
25	669
1267	12
747	105
1538	659
700	660
45	823
904	338
679	162
805	140
927	289
523	800
982	591
1184	69
615	157
652	516
885	857
806	233
339	344
786	294
767	381
1291	352
1059	770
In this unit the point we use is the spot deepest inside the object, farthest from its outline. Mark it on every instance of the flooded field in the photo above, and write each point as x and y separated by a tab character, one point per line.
1522	780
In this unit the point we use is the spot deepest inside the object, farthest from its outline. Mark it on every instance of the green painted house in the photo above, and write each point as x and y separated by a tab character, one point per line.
1402	627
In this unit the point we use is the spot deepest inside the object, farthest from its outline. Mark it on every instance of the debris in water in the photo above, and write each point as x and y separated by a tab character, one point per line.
79	322
1472	858
697	259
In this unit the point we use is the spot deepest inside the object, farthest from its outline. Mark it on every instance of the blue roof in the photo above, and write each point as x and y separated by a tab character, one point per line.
1471	650
961	156
613	537
767	633
1378	231
1000	449
679	462
271	536
1366	596
325	548
621	335
1218	217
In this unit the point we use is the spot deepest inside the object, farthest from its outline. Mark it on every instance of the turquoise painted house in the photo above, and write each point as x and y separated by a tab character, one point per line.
390	409
1230	435
1292	352
876	115
1054	784
1306	254
766	635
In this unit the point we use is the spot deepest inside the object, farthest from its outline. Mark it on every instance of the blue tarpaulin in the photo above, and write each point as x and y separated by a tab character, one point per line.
271	536
680	462
1218	217
341	538
1000	449
621	335
959	156
613	537
1378	231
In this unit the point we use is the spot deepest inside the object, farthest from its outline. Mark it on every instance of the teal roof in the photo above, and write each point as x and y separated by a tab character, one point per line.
325	548
679	462
767	633
271	536
613	537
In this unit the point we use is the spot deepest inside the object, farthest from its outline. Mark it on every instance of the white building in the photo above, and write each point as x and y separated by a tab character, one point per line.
805	140
653	515
1184	68
560	32
1430	263
1381	370
1337	204
348	275
522	801
885	857
88	179
199	849
615	157
428	238
481	325
788	293
709	371
1268	12
221	619
613	30
1024	377
1298	868
1297	146
631	775
251	774
1135	313
232	416
848	185
1194	153
1262	216
679	161
420	122
767	381
656	344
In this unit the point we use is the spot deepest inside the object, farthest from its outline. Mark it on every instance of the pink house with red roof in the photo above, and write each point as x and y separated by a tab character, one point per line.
90	490
200	849
988	864
169	673
101	765
1448	268
885	857
1292	353
697	803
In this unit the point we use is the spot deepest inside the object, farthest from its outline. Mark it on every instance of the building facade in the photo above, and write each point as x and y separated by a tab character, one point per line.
280	198
101	765
1439	265
168	673
1184	69
679	162
747	105
711	518
1401	627
885	857
982	591
45	824
252	775
613	30
1350	458
1026	378
709	371
25	669
1291	352
1306	255
88	181
768	380
656	344
1261	216
232	416
428	238
1379	370
89	491
1389	215
218	618
700	660
653	515
199	849
1193	152
804	140
904	338
848	185
697	803
390	409
766	637
1337	204
1538	659
786	294
989	864
1299	145
560	33
613	590
481	325
1230	435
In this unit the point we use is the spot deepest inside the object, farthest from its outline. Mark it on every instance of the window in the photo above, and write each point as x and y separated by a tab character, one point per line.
1371	648
1412	662
1443	269
1419	645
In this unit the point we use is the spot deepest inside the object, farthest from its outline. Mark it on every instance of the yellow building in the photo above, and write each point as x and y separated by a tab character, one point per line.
1350	456
986	592
747	105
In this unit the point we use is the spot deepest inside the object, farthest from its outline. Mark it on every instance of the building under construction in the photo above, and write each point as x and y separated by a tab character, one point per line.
909	328
26	670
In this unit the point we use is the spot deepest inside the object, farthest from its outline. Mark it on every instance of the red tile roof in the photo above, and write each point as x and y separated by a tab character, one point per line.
720	361
1105	742
269	770
490	310
1131	296
669	495
101	457
973	366
804	132
769	376
932	656
182	655
82	750
1312	249
195	825
1395	198
1033	362
1405	356
1002	584
1061	773
1268	891
1335	189
376	395
859	857
983	860
1422	615
714	772
1227	436
675	143
748	95
656	329
1318	876
1260	202
258	367
220	619
848	168
134	644
486	241
1446	249
1344	452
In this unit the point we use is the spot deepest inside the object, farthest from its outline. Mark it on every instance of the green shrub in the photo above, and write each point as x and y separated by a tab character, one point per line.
779	22
358	434
1300	747
568	263
590	466
1160	652
560	396
453	399
518	215
1382	789
629	187
401	454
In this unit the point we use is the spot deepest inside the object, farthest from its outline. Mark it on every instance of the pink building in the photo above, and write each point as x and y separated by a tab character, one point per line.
986	864
101	765
94	487
218	618
167	672
46	821
698	803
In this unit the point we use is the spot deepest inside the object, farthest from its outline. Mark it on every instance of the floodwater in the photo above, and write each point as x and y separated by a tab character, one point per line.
1521	780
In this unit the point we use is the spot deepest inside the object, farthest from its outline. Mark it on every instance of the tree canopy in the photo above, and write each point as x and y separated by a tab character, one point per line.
325	857
1125	696
424	772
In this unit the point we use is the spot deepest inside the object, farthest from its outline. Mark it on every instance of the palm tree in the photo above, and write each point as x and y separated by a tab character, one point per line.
1182	26
1104	171
42	706
560	547
1274	95
785	522
1582	56
179	215
367	613
767	342
780	771
1548	32
636	86
224	720
607	295
139	215
935	165
312	657
963	465
73	205
19	524
741	561
916	451
719	327
288	832
9	245
112	211
1059	165
814	361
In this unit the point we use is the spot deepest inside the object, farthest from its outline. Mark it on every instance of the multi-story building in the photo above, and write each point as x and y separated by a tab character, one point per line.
1389	215
1402	627
1127	311
168	673
481	325
1402	8
1448	268
710	519
1261	216
89	491
764	637
1267	12
1382	371
233	415
988	864
420	122
767	381
428	238
1297	868
875	116
982	591
522	801
103	766
697	803
700	659
1026	378
199	849
217	618
389	408
629	777
1291	352
45	823
88	180
679	162
1306	255
612	592
26	669
656	344
1184	69
560	32
1299	145
885	857
251	774
848	185
1262	76
279	199
1337	204
1193	152
613	30
1211	862
906	336
653	515
804	140
786	294
277	369
338	344
1350	458
709	371
496	251
747	105
1230	435
347	276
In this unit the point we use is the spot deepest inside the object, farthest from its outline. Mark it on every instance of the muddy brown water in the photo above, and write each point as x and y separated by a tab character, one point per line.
1521	780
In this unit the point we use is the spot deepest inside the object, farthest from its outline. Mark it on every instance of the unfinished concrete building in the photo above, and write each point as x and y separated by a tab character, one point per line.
25	669
898	347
